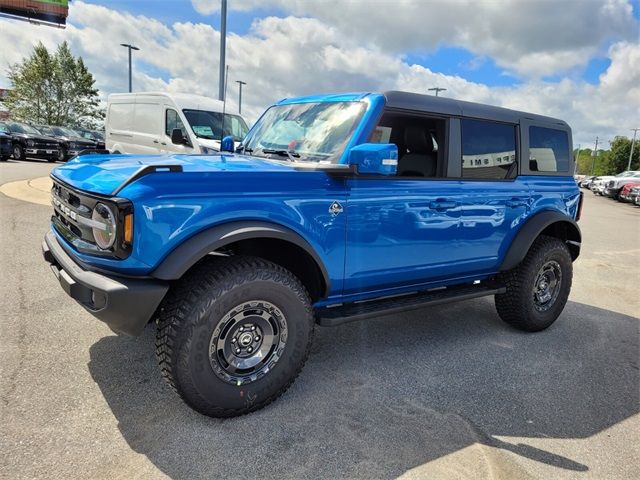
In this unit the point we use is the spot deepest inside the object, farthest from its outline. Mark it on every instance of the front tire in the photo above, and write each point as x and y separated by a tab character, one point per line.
538	288
234	334
18	152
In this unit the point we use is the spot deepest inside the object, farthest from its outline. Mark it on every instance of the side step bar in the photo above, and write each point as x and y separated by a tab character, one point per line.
331	316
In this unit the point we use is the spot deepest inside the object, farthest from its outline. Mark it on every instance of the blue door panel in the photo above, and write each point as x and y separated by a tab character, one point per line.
411	232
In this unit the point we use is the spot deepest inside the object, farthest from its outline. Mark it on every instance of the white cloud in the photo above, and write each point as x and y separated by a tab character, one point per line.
285	57
206	7
532	38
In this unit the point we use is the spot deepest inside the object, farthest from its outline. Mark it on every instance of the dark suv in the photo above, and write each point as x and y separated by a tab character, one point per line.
334	208
71	142
26	141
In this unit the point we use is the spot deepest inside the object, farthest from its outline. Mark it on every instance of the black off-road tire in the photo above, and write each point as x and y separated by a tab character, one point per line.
517	306
18	152
194	308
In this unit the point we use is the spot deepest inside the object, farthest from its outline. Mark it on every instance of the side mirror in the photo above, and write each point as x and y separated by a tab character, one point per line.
227	144
375	158
177	137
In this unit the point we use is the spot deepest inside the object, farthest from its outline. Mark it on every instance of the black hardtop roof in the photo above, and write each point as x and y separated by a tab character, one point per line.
450	106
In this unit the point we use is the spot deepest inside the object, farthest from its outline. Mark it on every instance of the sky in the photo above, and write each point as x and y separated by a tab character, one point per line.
578	60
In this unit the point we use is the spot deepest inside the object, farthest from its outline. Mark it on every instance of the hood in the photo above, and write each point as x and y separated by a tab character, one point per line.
32	136
81	140
211	143
103	174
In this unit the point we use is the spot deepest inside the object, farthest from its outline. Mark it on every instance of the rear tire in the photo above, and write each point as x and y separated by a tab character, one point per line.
234	334
538	288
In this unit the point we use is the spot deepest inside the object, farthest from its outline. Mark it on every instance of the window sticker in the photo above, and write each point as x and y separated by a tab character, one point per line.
203	130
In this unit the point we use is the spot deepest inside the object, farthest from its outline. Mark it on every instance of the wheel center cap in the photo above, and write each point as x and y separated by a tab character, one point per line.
245	339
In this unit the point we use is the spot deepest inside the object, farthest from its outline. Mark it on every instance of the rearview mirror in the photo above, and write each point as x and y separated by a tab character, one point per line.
177	137
227	144
375	158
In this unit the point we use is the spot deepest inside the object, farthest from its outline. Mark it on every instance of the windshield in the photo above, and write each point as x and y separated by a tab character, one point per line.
4	128
45	130
311	131
209	124
66	132
22	128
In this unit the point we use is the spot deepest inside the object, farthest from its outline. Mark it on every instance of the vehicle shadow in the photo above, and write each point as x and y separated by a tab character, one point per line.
379	398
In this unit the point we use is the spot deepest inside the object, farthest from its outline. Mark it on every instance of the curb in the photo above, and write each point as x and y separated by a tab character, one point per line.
35	190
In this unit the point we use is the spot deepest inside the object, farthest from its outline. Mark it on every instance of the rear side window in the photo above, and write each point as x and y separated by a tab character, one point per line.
488	149
548	150
120	116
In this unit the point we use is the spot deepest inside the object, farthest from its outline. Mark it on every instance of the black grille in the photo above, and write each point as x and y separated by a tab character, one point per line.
45	145
71	206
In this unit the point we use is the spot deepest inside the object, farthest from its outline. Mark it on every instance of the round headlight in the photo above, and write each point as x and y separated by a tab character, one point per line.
30	143
104	234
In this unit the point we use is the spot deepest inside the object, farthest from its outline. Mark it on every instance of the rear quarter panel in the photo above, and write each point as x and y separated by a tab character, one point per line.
553	193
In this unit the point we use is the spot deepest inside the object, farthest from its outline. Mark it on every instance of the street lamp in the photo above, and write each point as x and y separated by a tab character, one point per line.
223	50
437	90
635	130
240	84
130	47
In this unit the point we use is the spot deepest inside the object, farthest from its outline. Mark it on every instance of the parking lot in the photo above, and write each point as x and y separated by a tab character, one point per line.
445	392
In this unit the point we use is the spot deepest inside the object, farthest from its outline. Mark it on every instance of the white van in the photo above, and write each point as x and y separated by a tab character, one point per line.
145	123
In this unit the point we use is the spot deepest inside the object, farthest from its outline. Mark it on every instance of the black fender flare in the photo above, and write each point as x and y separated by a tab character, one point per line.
533	228
183	257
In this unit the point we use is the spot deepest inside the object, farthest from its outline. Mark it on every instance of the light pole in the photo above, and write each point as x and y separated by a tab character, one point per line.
223	48
635	130
594	155
437	90
240	84
130	47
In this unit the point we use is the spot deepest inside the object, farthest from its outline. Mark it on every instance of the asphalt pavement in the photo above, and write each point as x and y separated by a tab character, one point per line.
445	392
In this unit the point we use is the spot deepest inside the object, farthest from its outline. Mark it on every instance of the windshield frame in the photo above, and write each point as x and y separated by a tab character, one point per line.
332	157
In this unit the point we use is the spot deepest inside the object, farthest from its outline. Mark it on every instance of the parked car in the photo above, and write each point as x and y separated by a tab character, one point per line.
613	186
635	194
625	191
94	135
599	183
586	181
630	192
26	141
168	123
71	142
238	254
5	144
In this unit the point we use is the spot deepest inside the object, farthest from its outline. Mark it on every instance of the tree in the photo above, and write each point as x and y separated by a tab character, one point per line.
53	89
619	158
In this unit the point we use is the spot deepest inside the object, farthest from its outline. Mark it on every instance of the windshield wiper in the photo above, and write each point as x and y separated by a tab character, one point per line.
282	153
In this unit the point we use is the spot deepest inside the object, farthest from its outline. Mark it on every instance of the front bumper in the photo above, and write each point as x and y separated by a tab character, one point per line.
126	305
611	191
38	152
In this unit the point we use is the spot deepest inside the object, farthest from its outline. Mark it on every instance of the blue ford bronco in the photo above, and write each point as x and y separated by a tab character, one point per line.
334	208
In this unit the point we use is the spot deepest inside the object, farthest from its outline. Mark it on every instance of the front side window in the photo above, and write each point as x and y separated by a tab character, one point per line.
307	131
4	128
548	150
172	121
488	149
